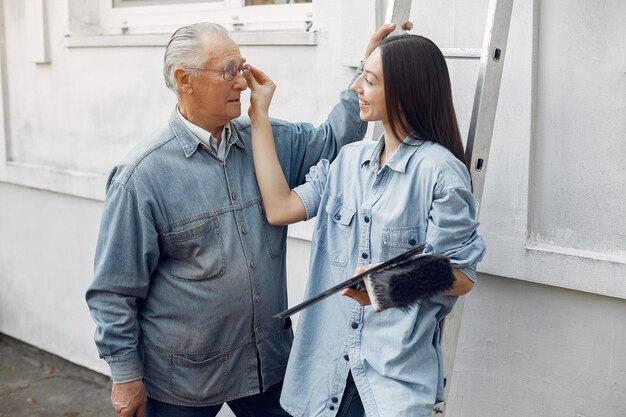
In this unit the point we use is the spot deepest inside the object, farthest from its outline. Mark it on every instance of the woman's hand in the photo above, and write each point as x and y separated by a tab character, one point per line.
361	297
381	33
261	91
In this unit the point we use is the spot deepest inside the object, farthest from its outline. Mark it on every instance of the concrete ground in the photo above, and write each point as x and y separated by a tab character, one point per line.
35	383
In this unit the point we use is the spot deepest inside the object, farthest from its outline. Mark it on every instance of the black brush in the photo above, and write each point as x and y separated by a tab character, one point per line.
401	286
405	264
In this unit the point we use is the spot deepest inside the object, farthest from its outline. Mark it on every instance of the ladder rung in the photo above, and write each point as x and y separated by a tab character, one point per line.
462	53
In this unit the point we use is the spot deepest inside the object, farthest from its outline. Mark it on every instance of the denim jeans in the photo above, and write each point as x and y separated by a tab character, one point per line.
260	405
351	405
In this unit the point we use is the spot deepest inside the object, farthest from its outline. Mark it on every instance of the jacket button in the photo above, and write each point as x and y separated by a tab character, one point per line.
412	242
334	399
367	219
355	325
332	407
364	255
346	357
337	216
233	195
244	230
257	298
252	264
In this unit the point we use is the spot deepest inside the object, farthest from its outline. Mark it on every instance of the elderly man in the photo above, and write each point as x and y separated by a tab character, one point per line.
188	273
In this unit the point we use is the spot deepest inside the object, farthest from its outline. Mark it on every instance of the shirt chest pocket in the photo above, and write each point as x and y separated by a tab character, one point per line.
195	251
335	236
397	240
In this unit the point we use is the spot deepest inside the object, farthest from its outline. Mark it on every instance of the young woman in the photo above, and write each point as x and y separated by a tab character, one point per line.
376	200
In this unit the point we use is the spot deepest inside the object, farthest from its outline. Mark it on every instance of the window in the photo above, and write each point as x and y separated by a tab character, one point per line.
97	23
164	16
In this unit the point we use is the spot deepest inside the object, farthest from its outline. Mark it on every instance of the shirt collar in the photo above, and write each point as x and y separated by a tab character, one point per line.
190	136
400	157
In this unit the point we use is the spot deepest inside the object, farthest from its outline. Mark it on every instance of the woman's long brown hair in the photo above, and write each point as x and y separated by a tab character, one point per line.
418	92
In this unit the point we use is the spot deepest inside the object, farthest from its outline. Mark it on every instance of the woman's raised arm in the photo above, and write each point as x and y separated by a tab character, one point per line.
282	206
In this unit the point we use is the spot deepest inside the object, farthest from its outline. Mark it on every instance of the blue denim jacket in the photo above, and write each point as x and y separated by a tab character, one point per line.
367	214
188	273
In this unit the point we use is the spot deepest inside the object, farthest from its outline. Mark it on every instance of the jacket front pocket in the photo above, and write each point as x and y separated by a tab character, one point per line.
397	240
200	378
335	233
195	251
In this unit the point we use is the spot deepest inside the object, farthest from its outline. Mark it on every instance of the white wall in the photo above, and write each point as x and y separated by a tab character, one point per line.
544	332
46	262
535	350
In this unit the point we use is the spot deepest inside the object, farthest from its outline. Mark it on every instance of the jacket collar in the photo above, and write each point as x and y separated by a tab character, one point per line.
400	157
189	142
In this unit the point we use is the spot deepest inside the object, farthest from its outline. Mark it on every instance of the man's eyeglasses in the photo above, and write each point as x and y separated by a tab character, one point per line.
229	72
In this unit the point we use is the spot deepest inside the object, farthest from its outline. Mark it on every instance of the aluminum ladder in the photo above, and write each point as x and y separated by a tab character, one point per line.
480	132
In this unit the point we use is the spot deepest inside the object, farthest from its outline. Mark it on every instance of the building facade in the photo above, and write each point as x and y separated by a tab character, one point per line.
544	331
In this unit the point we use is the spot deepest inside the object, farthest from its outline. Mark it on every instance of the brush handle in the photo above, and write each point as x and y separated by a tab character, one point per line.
354	281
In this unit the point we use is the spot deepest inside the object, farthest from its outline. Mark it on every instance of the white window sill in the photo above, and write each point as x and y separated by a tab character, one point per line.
247	38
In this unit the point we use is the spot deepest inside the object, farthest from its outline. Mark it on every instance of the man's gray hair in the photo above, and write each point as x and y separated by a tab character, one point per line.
183	50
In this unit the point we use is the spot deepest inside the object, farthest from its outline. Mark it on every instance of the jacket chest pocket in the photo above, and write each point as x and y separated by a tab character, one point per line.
195	251
397	240
335	233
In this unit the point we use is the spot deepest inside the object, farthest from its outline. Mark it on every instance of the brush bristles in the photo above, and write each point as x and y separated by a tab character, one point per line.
403	285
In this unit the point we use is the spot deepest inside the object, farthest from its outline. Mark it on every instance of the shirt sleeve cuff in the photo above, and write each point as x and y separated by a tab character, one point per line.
468	271
125	368
308	197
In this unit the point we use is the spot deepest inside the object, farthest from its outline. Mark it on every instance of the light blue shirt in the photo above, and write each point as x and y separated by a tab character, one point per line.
367	214
188	273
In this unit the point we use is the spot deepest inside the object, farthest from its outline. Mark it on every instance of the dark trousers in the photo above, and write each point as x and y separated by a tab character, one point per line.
260	405
351	405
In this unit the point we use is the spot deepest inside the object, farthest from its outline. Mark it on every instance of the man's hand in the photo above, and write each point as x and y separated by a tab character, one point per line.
129	399
261	90
381	34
